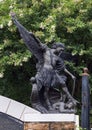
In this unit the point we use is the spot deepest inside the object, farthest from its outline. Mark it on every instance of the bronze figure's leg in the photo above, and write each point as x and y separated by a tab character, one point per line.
46	96
35	99
69	96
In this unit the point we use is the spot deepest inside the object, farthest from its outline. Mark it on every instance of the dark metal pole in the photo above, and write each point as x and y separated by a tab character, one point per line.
85	114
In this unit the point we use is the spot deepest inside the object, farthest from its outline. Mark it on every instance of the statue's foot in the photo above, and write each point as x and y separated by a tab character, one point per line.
73	102
40	108
51	109
43	110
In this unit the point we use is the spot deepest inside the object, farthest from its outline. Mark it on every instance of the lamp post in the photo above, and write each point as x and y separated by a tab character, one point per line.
85	114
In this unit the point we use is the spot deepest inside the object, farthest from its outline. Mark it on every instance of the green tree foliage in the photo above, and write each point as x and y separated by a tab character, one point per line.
67	21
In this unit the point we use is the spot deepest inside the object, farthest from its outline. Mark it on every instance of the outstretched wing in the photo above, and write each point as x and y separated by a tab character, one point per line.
30	40
67	56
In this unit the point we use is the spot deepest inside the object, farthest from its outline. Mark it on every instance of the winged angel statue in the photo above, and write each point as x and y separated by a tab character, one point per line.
49	76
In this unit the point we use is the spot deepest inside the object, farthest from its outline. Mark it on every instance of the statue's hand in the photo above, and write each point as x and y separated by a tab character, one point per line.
12	14
73	77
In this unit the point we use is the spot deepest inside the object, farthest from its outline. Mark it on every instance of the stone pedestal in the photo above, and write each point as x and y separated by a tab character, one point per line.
51	122
50	126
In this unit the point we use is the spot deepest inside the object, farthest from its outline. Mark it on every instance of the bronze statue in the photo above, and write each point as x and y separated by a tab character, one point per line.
49	76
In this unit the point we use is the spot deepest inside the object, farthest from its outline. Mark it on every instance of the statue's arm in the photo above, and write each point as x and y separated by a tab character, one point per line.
73	77
32	42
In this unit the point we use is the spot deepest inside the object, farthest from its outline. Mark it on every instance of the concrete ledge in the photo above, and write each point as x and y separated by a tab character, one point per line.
49	117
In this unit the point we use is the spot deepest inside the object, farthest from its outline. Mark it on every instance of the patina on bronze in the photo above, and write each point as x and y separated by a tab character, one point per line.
50	75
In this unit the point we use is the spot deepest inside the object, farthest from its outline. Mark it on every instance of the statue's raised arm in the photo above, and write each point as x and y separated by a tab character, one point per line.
33	44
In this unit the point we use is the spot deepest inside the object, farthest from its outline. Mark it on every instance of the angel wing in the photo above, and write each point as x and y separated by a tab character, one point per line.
33	44
67	56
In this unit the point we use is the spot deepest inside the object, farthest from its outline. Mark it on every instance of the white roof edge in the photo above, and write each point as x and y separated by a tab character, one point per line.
15	108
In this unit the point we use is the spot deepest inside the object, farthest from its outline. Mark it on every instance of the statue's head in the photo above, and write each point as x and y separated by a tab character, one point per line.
58	46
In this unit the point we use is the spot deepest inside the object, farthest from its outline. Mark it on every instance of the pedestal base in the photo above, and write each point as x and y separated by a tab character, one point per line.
49	126
51	122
